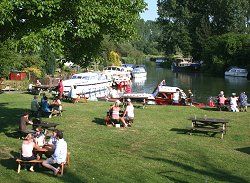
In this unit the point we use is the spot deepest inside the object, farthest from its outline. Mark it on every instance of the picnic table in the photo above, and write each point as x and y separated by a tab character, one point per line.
209	125
46	126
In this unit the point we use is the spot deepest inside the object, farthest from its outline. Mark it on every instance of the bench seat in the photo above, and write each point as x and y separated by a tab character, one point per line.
205	129
19	161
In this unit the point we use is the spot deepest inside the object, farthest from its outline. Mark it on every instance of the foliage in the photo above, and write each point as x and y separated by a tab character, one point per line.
114	58
188	24
74	29
37	72
149	36
226	50
10	59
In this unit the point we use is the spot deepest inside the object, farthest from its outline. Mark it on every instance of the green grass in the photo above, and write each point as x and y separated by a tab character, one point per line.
156	148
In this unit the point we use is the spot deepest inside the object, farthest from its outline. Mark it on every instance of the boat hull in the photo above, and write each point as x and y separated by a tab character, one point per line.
190	68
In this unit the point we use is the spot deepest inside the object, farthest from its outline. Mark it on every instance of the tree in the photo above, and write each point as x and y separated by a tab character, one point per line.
188	24
71	28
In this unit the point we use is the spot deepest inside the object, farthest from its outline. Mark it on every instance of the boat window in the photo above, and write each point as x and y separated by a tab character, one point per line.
85	77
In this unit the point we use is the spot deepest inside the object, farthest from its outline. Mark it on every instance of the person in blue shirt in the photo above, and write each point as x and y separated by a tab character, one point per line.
45	105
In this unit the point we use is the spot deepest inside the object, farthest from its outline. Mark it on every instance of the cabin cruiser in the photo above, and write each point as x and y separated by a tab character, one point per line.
185	65
119	75
90	84
237	72
139	72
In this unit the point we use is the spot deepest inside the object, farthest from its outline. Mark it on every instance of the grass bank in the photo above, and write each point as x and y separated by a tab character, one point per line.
156	148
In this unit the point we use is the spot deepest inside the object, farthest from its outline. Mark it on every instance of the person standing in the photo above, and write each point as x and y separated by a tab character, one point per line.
243	102
190	97
176	97
60	89
59	155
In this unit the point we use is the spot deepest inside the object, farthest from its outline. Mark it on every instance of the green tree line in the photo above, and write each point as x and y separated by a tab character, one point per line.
215	31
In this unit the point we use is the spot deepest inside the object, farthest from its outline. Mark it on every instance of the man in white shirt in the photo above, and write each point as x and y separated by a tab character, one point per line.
59	155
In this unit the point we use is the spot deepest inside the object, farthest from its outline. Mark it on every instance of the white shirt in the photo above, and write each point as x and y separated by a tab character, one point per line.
73	93
130	111
60	153
176	96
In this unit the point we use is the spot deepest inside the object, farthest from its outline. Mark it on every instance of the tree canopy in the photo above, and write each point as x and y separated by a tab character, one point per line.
188	23
73	28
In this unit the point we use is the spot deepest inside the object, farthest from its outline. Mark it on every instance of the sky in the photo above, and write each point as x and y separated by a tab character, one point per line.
151	13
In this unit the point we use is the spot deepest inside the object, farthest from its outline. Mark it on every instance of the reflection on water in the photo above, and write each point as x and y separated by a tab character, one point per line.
202	86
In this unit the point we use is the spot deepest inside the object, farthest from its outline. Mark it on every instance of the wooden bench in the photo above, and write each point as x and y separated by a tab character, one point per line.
206	129
19	161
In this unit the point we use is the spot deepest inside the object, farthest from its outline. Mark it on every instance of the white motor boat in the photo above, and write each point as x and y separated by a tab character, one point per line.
139	72
90	84
119	75
237	72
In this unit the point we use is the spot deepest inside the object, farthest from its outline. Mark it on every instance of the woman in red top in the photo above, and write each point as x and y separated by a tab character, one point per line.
60	89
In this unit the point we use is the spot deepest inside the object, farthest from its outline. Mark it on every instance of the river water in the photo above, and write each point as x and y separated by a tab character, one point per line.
202	86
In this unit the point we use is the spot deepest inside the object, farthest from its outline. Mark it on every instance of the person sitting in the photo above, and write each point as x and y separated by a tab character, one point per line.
22	124
221	101
243	102
115	113
34	107
38	83
57	105
128	115
59	156
45	105
233	103
53	140
27	151
39	137
73	94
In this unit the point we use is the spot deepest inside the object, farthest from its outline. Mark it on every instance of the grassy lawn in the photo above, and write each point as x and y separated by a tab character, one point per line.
155	149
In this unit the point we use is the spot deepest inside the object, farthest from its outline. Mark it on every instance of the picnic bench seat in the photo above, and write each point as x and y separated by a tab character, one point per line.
19	161
208	125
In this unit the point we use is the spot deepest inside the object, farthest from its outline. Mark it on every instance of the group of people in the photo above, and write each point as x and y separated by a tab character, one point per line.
114	114
179	97
45	106
233	103
57	144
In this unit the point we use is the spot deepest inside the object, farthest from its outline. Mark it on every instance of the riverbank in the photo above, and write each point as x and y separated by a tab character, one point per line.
155	149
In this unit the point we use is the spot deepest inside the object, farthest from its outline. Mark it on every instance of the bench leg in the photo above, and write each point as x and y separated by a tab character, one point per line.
18	167
61	169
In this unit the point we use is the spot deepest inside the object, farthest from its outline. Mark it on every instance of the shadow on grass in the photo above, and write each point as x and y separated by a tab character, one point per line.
210	109
99	121
180	130
244	150
213	172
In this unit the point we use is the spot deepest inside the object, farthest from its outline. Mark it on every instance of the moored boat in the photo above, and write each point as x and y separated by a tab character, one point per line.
236	72
185	65
90	84
139	72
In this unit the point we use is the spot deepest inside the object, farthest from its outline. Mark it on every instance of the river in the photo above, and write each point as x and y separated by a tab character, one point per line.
202	86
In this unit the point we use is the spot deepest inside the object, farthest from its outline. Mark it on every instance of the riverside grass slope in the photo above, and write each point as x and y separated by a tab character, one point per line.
156	148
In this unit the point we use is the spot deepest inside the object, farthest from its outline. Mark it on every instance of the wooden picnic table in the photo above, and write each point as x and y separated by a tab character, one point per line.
215	125
46	126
